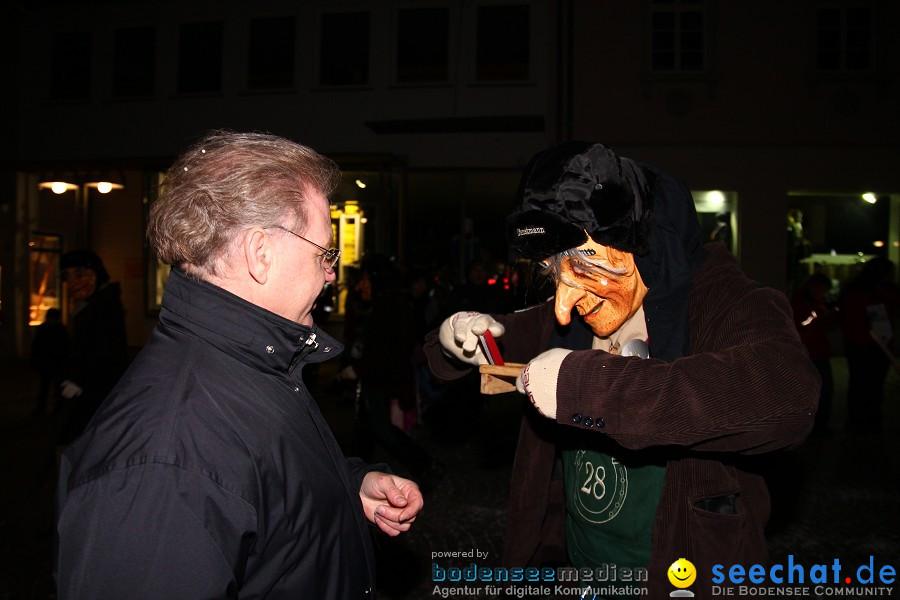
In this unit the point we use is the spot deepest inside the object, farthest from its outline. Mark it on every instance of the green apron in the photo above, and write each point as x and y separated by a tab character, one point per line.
610	508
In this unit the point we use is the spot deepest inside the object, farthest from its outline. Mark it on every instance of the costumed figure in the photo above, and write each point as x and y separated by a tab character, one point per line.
637	461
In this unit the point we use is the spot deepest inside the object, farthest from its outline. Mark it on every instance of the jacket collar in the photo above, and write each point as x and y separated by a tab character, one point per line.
242	329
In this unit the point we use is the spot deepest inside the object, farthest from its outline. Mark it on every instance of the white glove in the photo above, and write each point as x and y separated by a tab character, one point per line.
459	335
539	378
69	389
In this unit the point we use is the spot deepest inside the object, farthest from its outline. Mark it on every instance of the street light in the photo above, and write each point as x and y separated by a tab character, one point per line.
56	186
104	182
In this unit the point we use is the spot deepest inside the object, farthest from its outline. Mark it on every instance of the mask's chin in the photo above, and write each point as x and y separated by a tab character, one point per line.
600	321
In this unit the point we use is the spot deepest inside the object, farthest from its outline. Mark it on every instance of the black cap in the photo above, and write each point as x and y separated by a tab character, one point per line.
580	187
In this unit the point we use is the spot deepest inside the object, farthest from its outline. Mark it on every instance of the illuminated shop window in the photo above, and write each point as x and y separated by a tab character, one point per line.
717	212
43	276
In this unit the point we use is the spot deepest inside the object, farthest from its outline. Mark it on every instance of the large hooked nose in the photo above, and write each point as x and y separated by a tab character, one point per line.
566	299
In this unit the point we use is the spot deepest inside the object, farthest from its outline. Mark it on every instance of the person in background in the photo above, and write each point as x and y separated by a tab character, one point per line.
98	348
395	328
722	231
477	293
798	248
870	303
47	357
814	319
210	472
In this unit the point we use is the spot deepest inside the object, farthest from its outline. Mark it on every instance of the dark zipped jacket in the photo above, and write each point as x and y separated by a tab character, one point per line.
209	471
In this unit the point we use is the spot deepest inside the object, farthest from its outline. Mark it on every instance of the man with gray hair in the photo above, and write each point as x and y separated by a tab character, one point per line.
209	471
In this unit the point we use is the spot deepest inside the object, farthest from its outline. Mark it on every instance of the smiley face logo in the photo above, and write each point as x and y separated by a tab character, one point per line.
682	573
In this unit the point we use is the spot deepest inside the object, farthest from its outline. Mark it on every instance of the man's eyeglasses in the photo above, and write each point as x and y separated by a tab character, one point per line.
330	256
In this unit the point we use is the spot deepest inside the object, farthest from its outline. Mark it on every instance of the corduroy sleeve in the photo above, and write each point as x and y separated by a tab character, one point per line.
748	386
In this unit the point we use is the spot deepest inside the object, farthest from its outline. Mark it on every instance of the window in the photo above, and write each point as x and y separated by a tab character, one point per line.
344	49
502	43
43	276
843	38
423	41
70	65
200	58
134	61
270	60
678	35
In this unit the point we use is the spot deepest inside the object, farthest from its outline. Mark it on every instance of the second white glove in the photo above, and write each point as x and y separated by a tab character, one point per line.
69	389
459	335
539	378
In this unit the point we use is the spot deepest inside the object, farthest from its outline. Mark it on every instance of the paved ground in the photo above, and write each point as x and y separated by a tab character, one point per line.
836	497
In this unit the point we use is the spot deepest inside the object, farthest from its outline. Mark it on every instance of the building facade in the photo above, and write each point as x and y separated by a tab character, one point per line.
432	108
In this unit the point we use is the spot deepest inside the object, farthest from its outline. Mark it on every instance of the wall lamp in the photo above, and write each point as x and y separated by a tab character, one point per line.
105	182
57	185
102	181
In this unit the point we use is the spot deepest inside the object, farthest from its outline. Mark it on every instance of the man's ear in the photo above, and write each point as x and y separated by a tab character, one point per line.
259	253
